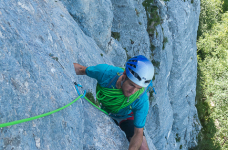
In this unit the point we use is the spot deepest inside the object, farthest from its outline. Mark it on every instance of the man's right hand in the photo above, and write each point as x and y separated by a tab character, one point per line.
79	69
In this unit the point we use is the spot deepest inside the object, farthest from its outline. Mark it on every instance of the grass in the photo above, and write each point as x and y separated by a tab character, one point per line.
116	35
177	138
165	40
153	19
128	57
89	95
156	63
132	42
137	12
152	47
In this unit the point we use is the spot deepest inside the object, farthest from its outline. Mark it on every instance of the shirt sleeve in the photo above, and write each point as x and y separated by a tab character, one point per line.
141	112
96	72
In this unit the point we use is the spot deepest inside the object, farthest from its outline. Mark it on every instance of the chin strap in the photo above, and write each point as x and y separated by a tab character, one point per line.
122	82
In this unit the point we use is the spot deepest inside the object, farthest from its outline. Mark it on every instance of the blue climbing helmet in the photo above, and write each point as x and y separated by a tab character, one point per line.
140	70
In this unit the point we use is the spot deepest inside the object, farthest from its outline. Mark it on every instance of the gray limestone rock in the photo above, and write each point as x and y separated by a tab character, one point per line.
117	53
130	23
40	41
172	121
94	18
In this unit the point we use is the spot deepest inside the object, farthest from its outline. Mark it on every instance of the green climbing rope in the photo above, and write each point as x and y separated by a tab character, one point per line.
46	114
39	116
113	100
96	106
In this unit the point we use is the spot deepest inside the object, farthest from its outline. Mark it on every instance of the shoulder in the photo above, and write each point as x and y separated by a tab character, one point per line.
113	69
99	67
104	68
110	73
143	101
102	72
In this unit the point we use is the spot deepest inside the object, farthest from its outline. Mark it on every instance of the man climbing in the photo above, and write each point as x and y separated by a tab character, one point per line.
122	94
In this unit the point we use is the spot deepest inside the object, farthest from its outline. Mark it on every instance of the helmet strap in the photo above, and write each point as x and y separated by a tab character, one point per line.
122	82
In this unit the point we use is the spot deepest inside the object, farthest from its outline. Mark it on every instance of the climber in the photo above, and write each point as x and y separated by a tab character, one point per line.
132	82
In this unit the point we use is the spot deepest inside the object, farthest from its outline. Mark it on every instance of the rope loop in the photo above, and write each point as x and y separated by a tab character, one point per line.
113	99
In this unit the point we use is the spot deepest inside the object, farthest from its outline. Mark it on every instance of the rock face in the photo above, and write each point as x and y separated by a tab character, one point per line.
173	122
95	20
33	83
40	41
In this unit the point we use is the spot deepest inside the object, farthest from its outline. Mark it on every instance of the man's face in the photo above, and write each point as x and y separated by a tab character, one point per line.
129	88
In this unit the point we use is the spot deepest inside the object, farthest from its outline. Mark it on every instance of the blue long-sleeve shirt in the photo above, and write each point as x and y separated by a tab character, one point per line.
104	73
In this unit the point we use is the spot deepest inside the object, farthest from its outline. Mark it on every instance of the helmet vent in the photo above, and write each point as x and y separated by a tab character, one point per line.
132	60
135	74
147	81
131	65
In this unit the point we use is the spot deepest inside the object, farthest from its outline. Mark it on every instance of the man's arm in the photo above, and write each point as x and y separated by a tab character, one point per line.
79	69
136	140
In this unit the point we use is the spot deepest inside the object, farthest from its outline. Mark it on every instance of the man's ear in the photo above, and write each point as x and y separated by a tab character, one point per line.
124	73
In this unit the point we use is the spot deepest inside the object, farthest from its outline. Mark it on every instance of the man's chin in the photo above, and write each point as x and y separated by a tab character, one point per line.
127	95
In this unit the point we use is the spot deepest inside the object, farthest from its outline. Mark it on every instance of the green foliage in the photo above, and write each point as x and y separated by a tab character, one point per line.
205	137
116	35
132	42
151	96
155	63
152	47
210	13
225	5
137	12
89	95
128	57
177	138
165	40
212	81
153	19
